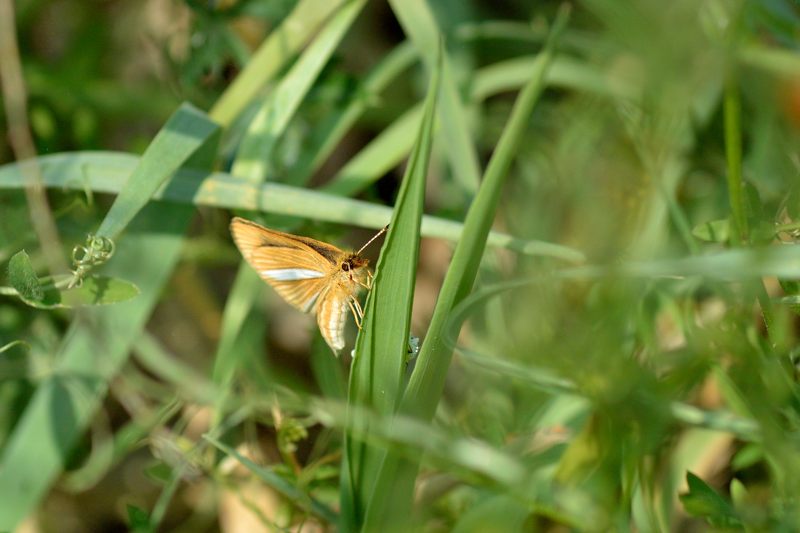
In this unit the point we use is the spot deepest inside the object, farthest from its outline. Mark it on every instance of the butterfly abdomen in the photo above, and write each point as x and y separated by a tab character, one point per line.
332	313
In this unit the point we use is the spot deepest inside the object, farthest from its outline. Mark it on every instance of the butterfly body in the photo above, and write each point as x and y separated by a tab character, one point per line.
313	276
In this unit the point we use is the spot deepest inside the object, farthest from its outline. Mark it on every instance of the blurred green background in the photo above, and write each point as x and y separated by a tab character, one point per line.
625	359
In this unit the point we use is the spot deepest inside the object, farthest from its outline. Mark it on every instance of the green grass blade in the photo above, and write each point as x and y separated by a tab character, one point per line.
381	351
237	307
380	156
326	136
420	25
102	172
278	483
98	342
777	61
564	72
247	287
424	389
93	350
281	45
390	147
185	131
394	486
270	122
733	153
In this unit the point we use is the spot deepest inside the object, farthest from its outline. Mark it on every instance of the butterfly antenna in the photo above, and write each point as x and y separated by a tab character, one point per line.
381	232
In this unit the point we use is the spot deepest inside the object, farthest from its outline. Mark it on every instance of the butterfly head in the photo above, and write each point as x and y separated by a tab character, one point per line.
352	263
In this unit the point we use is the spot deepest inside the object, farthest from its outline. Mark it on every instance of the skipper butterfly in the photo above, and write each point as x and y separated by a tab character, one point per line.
313	276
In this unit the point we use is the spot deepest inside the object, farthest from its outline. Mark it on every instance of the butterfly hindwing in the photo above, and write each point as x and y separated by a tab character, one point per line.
332	310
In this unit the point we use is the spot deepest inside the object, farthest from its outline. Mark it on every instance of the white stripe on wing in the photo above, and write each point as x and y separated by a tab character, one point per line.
291	274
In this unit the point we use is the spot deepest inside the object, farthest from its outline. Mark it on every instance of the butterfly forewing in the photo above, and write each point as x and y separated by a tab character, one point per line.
297	268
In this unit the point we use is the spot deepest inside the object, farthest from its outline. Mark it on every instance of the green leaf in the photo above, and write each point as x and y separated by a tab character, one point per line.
278	49
95	290
704	502
280	484
185	130
138	521
394	486
103	172
271	121
96	345
381	350
713	230
419	23
22	277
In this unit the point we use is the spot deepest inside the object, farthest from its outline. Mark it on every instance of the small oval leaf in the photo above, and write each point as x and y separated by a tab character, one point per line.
713	230
138	520
22	277
95	290
704	502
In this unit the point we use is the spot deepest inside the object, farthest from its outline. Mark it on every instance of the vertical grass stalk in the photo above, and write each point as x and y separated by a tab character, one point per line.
392	495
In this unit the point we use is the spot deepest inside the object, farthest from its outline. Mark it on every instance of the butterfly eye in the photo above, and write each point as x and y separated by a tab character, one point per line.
346	267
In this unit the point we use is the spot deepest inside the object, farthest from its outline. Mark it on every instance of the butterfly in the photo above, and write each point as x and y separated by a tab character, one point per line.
313	276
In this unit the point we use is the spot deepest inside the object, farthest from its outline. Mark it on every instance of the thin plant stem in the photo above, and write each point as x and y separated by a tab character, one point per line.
733	151
16	107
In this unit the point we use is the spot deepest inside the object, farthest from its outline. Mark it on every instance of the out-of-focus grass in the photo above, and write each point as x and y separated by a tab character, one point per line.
624	349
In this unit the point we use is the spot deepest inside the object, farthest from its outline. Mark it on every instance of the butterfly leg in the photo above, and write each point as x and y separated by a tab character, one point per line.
358	313
368	284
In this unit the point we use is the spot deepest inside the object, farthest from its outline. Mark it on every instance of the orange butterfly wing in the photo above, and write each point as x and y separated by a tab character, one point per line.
298	268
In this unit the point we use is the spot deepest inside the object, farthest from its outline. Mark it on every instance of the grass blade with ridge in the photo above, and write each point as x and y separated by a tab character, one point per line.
376	374
183	133
98	341
420	25
269	124
281	45
394	486
102	172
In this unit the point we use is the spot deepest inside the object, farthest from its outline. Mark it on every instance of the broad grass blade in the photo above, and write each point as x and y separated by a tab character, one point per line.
377	372
277	50
419	23
102	171
271	121
392	492
185	131
98	341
